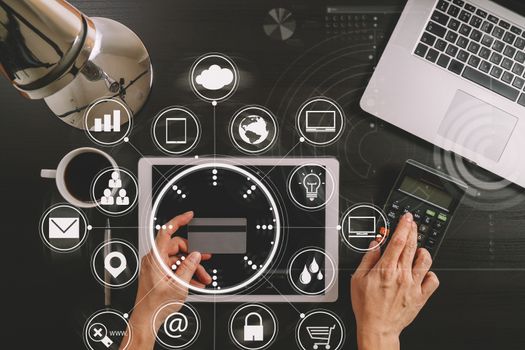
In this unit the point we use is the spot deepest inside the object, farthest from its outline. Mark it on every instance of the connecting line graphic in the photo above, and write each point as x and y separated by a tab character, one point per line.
214	133
142	156
281	160
282	295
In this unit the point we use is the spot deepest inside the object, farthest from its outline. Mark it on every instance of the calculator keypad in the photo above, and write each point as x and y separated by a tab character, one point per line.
431	222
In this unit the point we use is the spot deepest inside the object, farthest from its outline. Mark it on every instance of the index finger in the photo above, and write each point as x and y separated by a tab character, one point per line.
164	235
398	241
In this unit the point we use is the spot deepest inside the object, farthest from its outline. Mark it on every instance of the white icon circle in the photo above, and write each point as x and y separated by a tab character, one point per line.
96	330
214	77
176	325
311	186
253	333
320	121
108	123
127	259
257	121
353	236
310	271
276	226
64	231
320	336
168	122
119	196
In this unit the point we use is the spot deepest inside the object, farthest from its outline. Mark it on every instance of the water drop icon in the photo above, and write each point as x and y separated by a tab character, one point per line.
314	266
320	276
305	277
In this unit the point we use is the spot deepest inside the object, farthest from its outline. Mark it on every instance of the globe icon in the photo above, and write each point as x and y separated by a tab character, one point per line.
253	129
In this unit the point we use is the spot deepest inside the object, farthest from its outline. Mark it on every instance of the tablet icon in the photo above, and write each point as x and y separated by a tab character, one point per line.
176	130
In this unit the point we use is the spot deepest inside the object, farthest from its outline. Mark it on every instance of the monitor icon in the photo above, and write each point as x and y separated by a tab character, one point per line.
320	121
176	131
362	226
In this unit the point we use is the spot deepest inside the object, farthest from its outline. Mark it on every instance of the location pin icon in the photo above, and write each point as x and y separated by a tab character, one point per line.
115	271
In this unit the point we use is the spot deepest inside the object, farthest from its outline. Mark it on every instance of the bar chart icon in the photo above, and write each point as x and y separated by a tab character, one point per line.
110	122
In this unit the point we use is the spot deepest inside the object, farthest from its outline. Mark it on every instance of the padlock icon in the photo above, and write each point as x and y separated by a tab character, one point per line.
253	332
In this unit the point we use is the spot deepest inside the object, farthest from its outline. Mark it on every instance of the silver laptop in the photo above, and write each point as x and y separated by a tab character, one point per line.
453	74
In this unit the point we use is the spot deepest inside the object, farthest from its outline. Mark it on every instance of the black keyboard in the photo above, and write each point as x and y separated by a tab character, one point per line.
476	45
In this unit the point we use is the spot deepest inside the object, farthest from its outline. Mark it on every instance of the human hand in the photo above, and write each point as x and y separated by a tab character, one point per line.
389	291
156	288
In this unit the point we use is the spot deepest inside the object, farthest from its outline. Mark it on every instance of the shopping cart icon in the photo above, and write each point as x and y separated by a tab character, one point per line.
321	336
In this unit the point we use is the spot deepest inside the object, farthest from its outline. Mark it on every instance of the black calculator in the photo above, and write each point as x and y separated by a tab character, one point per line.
431	196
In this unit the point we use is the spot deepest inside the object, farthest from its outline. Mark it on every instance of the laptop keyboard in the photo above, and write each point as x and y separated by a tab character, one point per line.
476	45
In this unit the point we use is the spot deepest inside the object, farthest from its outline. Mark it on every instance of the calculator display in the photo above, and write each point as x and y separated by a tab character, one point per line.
426	192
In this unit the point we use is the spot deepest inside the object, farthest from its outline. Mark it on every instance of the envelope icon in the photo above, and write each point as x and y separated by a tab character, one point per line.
64	228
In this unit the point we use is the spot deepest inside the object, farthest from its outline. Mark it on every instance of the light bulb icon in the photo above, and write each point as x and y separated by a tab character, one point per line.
312	183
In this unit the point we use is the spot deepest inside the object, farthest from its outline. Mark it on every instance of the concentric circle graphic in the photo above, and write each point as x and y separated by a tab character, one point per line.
213	176
106	329
115	191
108	122
311	186
214	77
363	223
115	264
253	129
63	228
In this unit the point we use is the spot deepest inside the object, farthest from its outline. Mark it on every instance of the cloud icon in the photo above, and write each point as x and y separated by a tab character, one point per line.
215	77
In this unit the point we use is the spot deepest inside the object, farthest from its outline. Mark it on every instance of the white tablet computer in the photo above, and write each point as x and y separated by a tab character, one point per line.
270	224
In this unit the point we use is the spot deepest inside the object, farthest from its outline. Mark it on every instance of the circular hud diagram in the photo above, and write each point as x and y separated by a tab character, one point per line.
243	235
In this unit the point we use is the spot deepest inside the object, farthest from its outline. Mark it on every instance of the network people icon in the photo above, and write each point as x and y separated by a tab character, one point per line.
115	183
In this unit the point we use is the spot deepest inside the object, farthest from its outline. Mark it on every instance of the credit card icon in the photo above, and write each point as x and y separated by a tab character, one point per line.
218	235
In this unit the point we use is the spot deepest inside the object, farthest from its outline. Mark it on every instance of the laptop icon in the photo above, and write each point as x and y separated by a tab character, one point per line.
320	121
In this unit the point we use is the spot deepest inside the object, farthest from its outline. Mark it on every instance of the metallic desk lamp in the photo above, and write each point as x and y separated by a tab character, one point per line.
50	50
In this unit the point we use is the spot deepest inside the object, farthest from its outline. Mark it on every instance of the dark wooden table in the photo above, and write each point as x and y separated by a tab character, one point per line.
47	297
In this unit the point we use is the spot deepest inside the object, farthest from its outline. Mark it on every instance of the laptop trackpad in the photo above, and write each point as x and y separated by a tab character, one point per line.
477	126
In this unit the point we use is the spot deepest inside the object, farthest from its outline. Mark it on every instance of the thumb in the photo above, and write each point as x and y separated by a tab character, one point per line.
187	269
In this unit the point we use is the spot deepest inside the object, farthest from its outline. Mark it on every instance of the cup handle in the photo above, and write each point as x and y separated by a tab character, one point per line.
48	173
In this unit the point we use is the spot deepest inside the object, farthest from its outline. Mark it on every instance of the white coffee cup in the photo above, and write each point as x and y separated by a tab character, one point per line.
59	174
